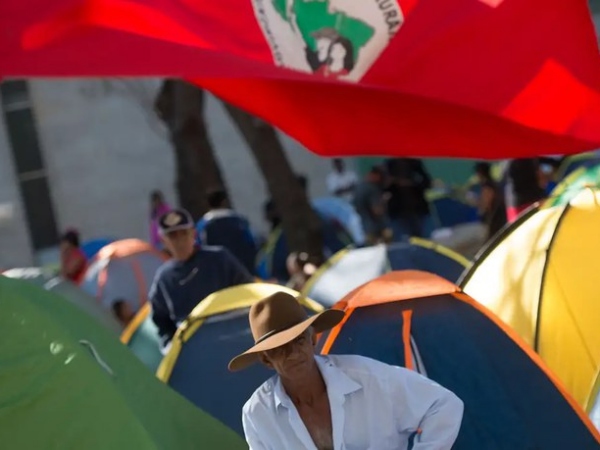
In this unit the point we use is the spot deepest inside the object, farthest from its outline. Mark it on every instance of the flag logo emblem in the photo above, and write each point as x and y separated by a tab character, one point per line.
332	38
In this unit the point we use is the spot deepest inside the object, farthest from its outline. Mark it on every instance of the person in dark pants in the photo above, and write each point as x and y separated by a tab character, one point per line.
223	227
369	202
491	205
523	186
407	206
193	274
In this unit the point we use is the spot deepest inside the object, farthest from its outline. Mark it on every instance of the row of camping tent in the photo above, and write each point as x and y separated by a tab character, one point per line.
345	271
537	275
120	271
123	271
54	354
547	302
341	227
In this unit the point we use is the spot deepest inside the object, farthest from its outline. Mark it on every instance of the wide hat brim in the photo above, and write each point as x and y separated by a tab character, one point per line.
320	322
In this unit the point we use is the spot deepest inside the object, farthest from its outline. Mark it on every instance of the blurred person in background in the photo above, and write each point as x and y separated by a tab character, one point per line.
548	173
369	201
193	273
341	181
523	186
223	227
490	204
407	205
123	311
73	262
301	267
158	207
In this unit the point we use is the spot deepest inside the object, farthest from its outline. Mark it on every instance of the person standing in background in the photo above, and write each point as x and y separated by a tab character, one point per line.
407	206
523	187
158	207
221	226
73	262
191	275
341	182
369	202
491	206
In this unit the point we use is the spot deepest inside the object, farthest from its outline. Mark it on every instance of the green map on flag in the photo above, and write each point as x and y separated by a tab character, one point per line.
314	16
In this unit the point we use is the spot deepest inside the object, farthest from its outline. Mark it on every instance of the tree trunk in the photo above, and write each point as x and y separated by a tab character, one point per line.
301	224
181	106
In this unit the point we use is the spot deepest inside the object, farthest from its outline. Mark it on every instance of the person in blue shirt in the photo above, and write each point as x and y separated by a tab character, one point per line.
223	227
193	273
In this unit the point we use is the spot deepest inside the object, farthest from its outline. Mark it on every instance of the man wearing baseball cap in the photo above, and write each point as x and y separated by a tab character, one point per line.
191	275
336	402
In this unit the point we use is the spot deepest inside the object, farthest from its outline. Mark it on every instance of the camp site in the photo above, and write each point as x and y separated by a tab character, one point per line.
299	224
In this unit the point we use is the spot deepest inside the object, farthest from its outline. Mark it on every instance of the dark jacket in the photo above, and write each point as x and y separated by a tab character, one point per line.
180	285
522	183
225	228
408	200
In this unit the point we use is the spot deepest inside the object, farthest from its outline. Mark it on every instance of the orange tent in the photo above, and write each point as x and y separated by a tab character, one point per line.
123	270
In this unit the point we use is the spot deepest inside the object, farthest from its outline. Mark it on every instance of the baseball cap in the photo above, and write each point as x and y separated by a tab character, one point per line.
176	219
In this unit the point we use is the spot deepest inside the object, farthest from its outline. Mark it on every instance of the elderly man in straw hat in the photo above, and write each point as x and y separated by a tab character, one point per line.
336	402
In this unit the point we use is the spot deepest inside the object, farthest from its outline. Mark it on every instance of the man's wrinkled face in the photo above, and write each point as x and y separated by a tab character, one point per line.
180	243
293	360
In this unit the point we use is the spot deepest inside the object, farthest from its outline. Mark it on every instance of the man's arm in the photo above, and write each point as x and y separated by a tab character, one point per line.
423	406
252	436
161	315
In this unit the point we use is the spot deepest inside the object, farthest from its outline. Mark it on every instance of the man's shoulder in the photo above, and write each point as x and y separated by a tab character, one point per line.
211	251
263	399
165	268
362	366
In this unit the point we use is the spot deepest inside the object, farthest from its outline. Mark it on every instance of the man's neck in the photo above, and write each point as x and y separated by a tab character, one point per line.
306	389
187	257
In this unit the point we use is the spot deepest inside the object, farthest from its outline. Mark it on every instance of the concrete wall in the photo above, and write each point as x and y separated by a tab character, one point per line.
105	152
15	247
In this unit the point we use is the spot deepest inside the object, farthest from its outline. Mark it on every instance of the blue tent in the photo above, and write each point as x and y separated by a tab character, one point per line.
216	331
424	323
335	208
350	268
448	211
92	247
272	259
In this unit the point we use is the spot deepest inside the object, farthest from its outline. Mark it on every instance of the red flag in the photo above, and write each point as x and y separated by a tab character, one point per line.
464	78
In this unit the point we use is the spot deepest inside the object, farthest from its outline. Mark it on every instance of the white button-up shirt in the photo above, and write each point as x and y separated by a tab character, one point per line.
373	406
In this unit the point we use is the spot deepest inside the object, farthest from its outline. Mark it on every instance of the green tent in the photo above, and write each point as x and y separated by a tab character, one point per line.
69	291
67	383
581	178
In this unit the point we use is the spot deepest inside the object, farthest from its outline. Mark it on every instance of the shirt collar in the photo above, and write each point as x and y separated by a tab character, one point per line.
338	383
218	213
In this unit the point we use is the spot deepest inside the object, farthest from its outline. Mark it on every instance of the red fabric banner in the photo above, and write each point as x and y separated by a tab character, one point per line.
463	78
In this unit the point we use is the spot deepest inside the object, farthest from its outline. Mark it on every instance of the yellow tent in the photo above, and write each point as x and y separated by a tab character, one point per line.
541	277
